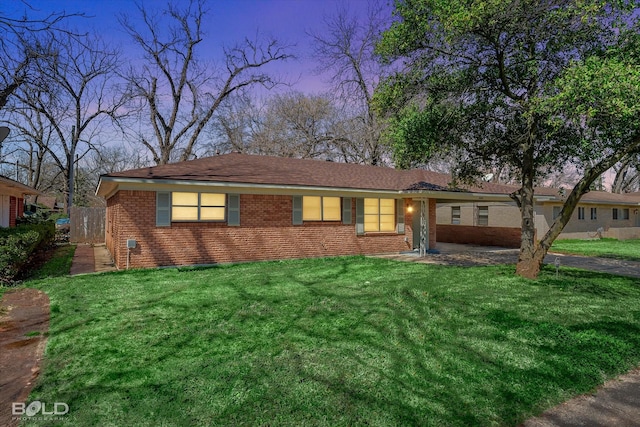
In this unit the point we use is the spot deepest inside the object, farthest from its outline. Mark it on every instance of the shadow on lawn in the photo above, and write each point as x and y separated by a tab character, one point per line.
341	340
586	281
437	357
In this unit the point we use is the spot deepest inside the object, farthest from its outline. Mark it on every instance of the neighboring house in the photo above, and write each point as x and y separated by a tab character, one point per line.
12	194
239	207
49	203
599	214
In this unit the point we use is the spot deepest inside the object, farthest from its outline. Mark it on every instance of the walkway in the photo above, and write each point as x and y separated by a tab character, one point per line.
603	265
616	403
91	259
24	323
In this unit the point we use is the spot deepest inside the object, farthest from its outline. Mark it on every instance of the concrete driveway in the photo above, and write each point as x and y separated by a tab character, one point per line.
472	255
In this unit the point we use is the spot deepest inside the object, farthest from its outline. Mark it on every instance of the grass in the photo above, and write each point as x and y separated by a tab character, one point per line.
59	264
341	341
607	248
56	263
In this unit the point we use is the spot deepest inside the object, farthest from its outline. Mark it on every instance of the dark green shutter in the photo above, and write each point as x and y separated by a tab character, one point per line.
359	216
163	209
297	210
233	210
400	216
346	210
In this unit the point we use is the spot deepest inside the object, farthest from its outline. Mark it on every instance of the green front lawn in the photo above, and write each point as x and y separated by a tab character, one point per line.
607	248
341	341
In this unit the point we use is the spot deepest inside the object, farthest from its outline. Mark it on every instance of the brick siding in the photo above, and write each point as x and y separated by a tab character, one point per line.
508	237
433	228
20	212
13	210
265	233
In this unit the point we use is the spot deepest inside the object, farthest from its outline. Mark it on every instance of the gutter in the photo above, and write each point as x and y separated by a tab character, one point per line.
248	188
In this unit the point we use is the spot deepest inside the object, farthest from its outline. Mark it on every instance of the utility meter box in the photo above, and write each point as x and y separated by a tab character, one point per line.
131	243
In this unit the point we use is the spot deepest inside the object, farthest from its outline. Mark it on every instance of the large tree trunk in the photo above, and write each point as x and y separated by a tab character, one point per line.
529	261
530	266
532	253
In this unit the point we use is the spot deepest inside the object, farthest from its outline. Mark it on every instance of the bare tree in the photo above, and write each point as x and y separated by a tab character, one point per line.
627	175
114	158
29	147
287	125
234	123
178	93
25	42
345	50
297	125
72	110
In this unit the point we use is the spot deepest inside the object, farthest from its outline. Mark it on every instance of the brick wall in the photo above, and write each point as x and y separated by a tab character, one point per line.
13	210
265	233
111	225
433	229
20	212
508	237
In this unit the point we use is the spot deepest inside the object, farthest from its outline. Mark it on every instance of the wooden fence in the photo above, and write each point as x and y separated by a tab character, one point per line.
87	225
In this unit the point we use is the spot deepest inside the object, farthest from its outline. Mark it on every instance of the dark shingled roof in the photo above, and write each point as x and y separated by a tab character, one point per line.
15	188
284	171
267	170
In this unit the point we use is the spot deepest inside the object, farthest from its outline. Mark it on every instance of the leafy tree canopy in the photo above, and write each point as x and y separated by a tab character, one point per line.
482	69
522	84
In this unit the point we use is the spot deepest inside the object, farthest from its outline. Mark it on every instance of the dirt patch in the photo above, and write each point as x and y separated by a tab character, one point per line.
460	259
24	322
469	259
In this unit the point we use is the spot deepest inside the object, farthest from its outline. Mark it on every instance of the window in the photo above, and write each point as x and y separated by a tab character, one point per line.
379	215
594	214
483	215
580	213
455	214
615	213
316	208
556	211
625	213
197	206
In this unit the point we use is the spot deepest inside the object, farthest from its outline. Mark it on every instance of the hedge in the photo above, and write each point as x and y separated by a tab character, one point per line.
19	243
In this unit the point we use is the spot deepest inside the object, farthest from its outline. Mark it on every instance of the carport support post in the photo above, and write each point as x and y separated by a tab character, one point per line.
424	227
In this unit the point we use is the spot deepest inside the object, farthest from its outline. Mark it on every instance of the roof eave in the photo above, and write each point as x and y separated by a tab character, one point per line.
465	196
107	186
596	202
16	189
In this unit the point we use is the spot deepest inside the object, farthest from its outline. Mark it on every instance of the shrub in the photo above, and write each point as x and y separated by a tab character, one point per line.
19	243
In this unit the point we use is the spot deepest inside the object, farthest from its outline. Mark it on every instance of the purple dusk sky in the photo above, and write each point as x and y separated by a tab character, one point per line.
227	22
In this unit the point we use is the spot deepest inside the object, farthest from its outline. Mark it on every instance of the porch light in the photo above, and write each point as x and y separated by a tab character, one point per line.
410	208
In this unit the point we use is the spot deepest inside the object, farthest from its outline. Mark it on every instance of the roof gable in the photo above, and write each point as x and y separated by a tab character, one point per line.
246	169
